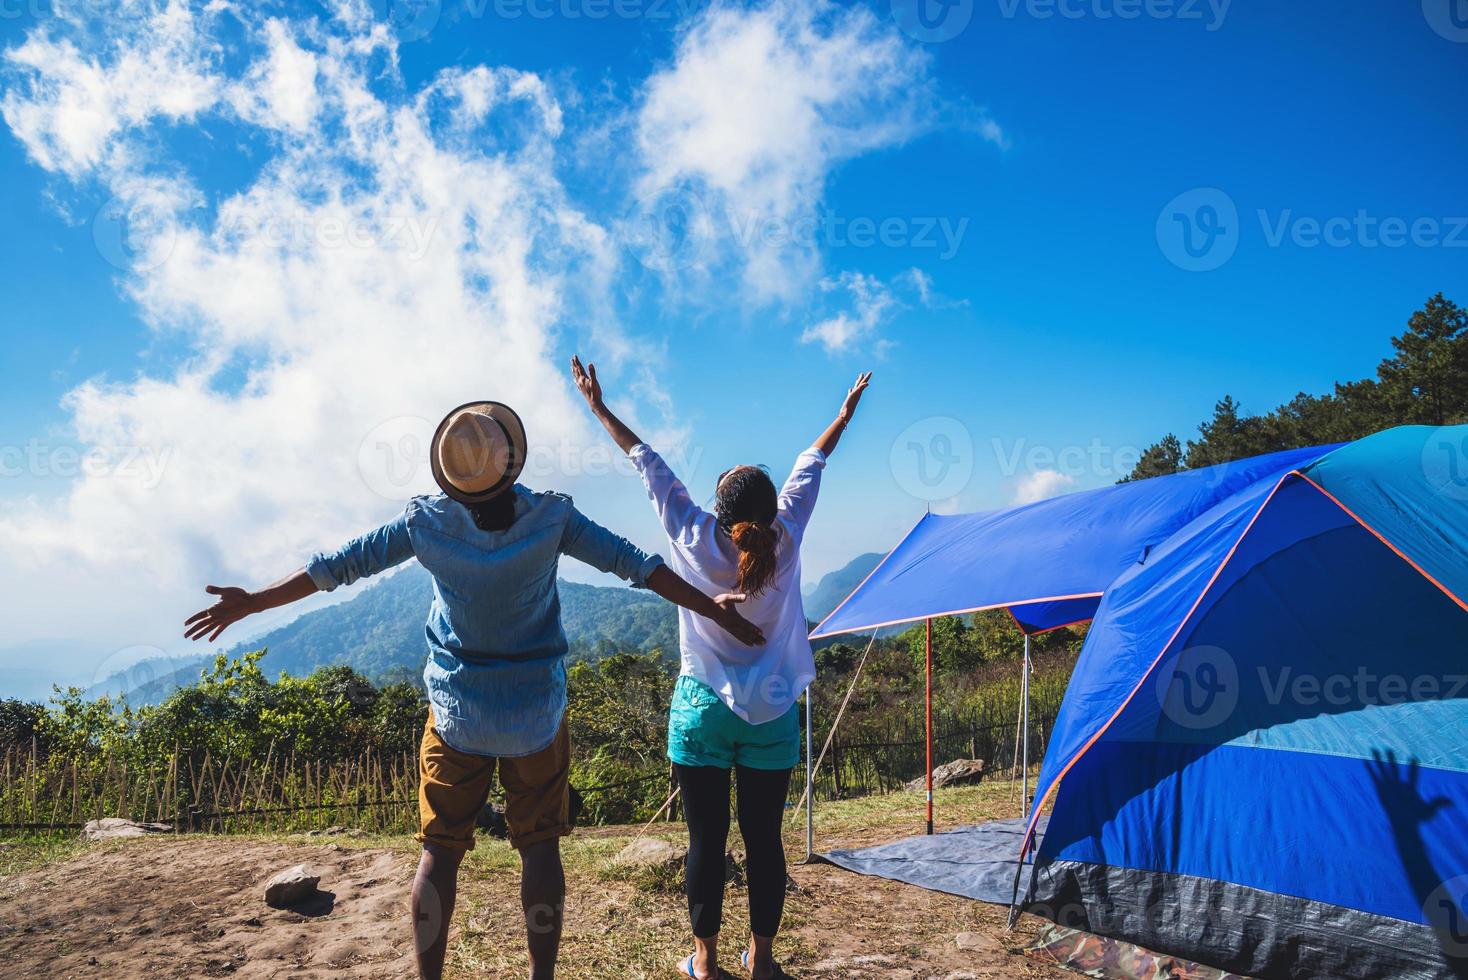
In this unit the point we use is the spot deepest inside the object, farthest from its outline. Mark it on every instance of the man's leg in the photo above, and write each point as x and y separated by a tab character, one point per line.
452	787
434	889
538	811
543	896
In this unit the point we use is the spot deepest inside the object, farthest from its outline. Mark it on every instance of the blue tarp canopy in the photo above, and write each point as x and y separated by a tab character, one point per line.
1047	562
1261	761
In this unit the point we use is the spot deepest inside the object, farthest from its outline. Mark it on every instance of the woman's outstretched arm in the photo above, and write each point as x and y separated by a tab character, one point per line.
590	388
827	442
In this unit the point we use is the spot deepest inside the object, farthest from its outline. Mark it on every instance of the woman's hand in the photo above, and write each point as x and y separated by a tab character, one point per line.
853	396
734	624
590	388
586	382
828	440
233	605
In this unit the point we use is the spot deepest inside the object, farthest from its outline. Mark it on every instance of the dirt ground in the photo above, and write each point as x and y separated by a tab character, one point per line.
191	908
174	907
188	908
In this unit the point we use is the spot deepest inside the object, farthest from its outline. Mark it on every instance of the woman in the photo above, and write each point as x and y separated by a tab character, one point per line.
496	675
734	708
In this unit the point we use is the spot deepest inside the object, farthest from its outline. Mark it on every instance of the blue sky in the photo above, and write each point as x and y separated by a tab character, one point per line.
517	176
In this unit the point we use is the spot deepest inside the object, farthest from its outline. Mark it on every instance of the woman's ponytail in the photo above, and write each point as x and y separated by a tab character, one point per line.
756	544
747	504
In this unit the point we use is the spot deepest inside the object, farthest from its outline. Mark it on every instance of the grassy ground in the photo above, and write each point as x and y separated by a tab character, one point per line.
618	924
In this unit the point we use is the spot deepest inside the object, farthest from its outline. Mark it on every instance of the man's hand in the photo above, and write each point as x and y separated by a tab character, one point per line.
233	605
853	396
586	383
734	624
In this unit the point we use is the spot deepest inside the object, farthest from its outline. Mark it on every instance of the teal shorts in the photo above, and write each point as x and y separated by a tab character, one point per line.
702	731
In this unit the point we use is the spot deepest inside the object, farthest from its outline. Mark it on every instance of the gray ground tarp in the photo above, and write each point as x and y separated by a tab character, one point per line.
975	862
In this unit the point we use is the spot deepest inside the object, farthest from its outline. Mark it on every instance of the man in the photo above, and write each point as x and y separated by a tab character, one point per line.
495	676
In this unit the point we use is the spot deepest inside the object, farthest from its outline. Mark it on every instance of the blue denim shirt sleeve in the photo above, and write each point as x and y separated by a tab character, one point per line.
373	552
588	541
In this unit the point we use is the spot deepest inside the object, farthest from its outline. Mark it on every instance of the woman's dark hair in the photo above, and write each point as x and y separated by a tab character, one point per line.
495	514
746	504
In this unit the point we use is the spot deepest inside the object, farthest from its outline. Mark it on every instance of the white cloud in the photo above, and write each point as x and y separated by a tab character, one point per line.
280	91
922	282
1041	485
756	110
871	303
992	131
69	103
414	253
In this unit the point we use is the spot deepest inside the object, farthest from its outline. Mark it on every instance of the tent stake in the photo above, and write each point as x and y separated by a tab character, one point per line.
928	714
810	800
1025	753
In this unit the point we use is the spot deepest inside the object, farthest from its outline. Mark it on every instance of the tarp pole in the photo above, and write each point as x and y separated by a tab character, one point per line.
1025	751
810	800
928	714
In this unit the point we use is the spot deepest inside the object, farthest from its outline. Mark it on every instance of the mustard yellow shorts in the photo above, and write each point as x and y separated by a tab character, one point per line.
453	787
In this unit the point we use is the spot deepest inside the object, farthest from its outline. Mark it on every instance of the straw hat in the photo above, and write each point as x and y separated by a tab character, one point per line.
478	451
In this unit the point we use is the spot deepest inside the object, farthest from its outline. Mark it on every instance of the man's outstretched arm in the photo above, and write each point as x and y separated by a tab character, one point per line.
235	604
373	552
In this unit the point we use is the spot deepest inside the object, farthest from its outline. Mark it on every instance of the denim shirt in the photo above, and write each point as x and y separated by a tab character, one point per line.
496	675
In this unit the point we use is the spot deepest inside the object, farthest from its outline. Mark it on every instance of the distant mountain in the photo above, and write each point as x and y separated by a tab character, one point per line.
835	586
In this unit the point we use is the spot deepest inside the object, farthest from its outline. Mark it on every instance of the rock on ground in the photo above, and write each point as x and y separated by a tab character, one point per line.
290	886
976	940
650	852
109	827
959	772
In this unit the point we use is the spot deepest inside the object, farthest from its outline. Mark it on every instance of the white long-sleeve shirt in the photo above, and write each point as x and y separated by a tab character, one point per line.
759	684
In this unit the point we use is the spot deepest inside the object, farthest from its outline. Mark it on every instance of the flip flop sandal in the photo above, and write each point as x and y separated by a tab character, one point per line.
779	974
686	967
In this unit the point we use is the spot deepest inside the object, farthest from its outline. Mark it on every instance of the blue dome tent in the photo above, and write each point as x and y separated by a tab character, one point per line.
1261	761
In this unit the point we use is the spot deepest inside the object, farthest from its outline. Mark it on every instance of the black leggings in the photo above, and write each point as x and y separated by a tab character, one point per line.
705	793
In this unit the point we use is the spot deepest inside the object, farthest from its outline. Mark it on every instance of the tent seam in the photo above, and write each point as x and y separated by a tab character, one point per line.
1383	539
1141	681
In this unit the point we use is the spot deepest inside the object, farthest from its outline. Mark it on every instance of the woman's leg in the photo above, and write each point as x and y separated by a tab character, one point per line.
705	793
762	795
